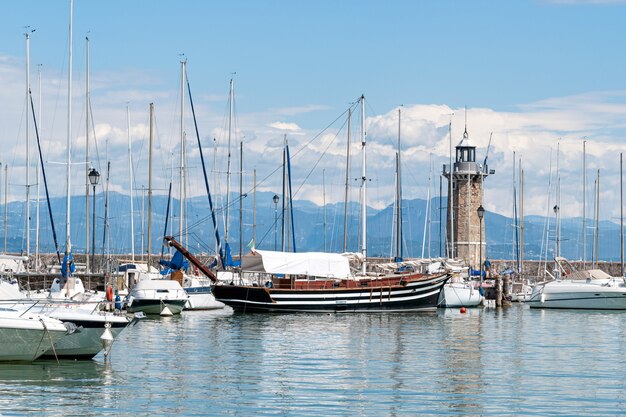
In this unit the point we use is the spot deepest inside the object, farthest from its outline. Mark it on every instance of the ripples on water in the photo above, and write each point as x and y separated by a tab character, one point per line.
486	362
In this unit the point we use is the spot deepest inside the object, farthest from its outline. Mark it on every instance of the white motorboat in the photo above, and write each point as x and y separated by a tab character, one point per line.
591	289
27	336
85	322
150	293
68	289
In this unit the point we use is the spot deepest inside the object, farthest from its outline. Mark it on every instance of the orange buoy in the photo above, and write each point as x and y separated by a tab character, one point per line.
463	310
109	293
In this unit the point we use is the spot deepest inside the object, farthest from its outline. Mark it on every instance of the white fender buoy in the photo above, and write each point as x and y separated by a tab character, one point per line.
166	312
107	339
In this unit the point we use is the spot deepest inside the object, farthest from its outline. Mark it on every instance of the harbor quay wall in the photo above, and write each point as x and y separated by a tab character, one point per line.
534	269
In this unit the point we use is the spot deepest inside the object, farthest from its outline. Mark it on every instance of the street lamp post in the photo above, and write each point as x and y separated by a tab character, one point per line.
275	199
94	177
481	214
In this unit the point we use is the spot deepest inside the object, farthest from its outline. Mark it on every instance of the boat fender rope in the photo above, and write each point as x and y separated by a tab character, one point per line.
50	339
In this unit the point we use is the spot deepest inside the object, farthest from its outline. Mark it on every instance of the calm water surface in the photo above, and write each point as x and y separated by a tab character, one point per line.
485	362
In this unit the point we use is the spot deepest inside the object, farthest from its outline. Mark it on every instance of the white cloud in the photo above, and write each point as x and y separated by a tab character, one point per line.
285	126
532	131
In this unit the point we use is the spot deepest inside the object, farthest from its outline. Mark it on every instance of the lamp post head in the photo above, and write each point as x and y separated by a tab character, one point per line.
94	176
481	212
275	198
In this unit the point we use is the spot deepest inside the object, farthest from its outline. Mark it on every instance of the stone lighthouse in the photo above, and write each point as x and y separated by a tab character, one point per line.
465	196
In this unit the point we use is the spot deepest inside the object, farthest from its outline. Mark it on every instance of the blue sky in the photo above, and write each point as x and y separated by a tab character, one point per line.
530	72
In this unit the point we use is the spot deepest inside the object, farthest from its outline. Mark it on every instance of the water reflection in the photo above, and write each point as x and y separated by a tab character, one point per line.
510	361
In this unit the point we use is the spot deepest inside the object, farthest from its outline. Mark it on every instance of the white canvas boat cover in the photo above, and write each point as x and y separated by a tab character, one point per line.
316	264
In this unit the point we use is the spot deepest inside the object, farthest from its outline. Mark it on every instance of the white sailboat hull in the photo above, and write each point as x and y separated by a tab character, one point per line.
202	301
460	294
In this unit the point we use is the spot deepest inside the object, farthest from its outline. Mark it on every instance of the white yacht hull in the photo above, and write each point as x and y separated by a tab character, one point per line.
26	338
85	342
584	295
460	294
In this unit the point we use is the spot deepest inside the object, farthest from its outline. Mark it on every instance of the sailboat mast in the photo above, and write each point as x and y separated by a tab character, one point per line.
557	205
345	206
426	214
364	190
28	143
584	204
38	185
621	215
283	217
68	170
399	196
324	203
131	179
240	199
521	218
150	182
87	153
6	195
451	196
182	149
230	125
254	207
597	231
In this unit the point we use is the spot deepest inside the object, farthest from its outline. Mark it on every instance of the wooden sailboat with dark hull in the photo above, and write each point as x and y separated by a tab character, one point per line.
280	282
278	292
372	295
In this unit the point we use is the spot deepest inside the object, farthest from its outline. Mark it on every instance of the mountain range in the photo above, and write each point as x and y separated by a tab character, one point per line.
308	222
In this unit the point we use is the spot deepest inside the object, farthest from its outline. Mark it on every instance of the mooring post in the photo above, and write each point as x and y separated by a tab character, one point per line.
498	291
506	290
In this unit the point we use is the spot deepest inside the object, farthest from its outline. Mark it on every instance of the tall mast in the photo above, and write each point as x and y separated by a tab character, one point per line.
254	207
283	217
182	149
240	199
324	202
584	204
105	243
451	196
38	185
558	202
28	141
87	154
143	223
427	213
399	196
345	206
621	215
6	195
150	183
68	169
364	188
521	218
230	124
597	231
131	179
